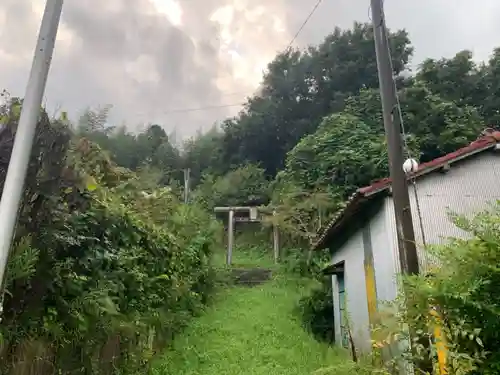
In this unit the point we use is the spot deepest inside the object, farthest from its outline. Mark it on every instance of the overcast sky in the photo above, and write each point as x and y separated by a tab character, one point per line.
151	57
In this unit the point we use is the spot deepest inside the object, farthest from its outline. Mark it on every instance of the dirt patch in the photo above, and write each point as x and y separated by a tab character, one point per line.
251	276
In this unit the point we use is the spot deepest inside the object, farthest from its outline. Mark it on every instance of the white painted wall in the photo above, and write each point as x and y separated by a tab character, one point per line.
354	277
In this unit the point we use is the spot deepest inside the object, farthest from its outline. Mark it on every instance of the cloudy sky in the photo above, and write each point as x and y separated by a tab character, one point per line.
156	60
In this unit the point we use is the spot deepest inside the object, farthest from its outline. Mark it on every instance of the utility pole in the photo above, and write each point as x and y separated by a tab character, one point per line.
402	209
23	142
187	173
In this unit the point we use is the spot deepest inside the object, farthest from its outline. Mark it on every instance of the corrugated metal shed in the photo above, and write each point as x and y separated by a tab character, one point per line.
366	194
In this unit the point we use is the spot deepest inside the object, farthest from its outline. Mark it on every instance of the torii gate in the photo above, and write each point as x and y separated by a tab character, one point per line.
253	215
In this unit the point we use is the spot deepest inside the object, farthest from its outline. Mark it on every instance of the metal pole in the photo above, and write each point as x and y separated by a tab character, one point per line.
186	184
230	237
18	166
402	209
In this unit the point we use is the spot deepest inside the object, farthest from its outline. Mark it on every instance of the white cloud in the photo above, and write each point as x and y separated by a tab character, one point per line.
171	9
147	57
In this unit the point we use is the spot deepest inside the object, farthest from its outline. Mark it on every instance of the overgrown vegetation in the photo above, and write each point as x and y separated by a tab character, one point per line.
464	291
251	331
104	271
108	264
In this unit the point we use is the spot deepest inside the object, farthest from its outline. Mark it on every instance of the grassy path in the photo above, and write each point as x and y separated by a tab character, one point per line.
251	331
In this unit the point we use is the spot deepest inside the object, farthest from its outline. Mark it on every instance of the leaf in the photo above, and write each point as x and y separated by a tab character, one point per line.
91	183
479	341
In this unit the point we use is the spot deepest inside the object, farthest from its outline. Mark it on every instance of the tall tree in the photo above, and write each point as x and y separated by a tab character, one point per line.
201	154
342	155
458	79
300	88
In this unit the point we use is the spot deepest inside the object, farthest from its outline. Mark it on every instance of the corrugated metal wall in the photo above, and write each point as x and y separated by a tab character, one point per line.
466	189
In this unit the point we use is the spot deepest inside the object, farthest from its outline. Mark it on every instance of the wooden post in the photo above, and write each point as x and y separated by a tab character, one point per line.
276	245
230	237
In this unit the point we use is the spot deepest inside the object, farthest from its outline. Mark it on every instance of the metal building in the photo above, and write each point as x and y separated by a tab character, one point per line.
362	237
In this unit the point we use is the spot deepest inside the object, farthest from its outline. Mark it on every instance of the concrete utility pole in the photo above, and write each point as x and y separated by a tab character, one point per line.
187	173
23	143
402	209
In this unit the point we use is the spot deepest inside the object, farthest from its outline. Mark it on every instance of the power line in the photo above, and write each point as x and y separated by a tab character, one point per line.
289	45
196	109
318	2
294	38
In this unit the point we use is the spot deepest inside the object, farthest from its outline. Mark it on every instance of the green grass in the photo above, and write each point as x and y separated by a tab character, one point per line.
246	257
250	331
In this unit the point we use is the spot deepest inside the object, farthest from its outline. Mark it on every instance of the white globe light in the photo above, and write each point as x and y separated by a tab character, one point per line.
410	166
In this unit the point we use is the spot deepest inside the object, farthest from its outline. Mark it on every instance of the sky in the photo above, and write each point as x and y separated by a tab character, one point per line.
157	61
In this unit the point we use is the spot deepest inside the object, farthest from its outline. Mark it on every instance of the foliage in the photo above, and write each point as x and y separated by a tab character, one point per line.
434	126
245	186
250	330
343	154
103	273
464	290
439	126
152	147
202	155
316	311
299	214
300	88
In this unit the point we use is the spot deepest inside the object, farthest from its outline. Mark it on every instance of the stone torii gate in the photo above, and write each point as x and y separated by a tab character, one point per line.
251	214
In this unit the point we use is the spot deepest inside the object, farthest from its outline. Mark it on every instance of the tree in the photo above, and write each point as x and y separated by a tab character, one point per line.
245	186
457	79
490	81
201	154
440	126
433	126
299	89
342	155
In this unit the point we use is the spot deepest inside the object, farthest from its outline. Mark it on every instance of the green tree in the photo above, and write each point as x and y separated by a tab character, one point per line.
245	186
457	79
434	126
300	88
490	80
201	154
342	155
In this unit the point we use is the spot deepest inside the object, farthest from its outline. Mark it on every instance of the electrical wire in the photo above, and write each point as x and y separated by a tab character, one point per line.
295	36
313	10
289	45
197	109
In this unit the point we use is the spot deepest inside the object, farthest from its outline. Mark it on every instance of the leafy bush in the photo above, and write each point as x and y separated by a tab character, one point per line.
102	273
464	289
317	311
343	154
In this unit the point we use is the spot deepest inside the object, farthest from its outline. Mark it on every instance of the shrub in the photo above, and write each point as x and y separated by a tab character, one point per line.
102	273
317	312
464	289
